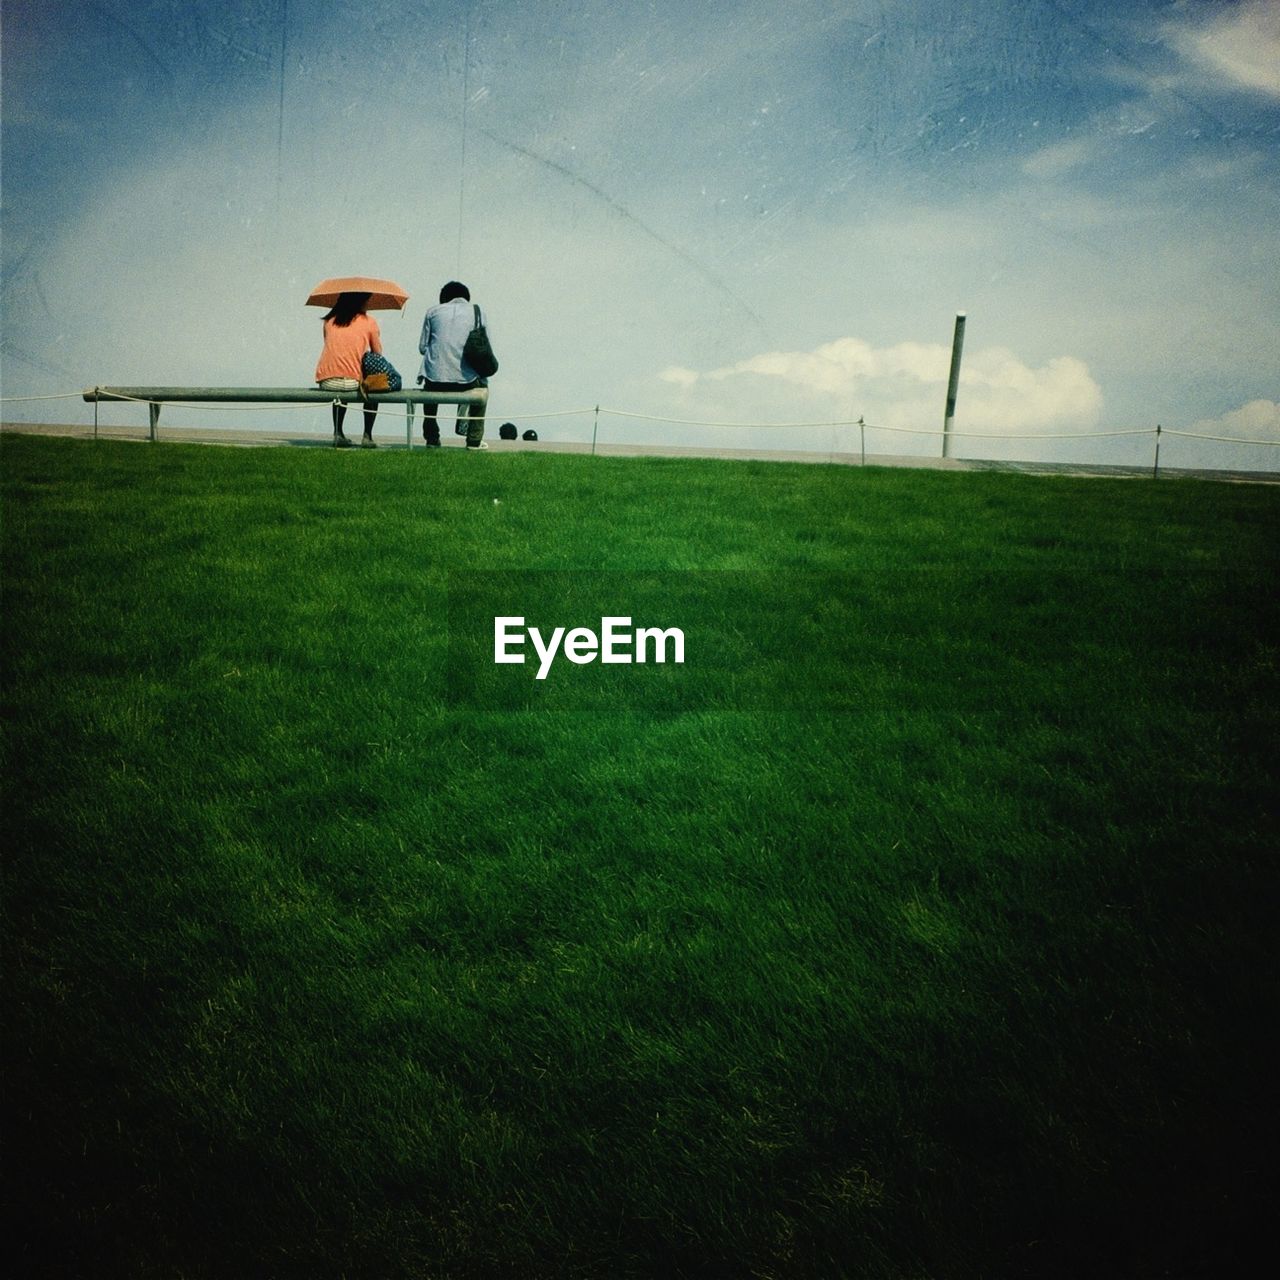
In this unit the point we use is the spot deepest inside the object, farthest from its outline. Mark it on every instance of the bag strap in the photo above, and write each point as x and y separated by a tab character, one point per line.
479	324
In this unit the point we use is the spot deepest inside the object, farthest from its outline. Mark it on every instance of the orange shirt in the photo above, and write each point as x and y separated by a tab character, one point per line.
344	347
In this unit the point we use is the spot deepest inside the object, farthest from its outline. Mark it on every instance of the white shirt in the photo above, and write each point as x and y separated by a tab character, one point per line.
444	334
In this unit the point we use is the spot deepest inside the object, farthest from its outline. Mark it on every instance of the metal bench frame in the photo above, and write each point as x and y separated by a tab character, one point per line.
155	396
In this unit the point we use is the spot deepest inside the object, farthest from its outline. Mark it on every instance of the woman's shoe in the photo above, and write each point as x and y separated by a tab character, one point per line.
341	442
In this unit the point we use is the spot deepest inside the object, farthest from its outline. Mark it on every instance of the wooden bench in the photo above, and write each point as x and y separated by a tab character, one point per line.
154	397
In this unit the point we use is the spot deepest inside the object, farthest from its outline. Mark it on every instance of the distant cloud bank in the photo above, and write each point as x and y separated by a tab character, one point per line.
905	385
1257	420
1242	45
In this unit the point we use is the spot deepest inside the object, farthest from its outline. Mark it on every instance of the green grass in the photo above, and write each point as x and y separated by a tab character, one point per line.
921	927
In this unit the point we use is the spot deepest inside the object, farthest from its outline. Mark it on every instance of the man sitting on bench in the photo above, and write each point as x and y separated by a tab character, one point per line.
444	367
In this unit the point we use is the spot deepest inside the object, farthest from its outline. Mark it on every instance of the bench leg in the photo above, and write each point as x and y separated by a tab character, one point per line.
154	410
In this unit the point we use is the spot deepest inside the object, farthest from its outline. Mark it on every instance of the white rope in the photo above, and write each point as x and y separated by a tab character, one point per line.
64	395
559	413
874	426
1195	435
906	431
689	422
1042	435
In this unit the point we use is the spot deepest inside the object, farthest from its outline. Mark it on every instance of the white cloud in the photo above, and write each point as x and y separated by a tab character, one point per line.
1010	396
1242	45
837	367
1257	420
1059	158
904	386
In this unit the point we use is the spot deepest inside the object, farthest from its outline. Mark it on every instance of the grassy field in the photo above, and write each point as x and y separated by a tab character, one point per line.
920	924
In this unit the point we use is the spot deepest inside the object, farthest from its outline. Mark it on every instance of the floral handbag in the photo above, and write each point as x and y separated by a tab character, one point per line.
378	374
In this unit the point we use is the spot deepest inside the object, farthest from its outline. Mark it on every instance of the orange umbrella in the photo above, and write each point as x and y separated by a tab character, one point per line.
384	295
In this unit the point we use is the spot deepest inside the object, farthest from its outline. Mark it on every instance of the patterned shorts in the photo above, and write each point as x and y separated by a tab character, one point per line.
339	384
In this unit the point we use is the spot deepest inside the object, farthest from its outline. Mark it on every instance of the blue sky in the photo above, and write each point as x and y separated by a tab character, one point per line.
722	211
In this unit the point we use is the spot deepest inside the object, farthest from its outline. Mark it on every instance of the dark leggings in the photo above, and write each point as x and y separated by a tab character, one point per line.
340	413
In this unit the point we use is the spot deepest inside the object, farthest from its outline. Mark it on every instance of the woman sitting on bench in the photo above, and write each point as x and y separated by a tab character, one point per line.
349	331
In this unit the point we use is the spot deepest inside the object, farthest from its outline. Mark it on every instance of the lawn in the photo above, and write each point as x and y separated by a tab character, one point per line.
918	924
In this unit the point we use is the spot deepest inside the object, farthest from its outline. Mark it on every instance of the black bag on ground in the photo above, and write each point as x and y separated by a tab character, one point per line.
507	431
477	352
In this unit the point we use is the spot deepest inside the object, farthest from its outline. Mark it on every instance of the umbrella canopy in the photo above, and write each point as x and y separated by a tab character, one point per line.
384	295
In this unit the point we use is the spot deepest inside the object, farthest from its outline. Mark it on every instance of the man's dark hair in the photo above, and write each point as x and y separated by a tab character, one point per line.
454	289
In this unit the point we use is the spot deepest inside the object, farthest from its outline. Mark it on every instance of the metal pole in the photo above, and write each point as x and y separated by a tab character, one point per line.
408	425
153	409
862	431
95	416
953	383
1155	470
595	426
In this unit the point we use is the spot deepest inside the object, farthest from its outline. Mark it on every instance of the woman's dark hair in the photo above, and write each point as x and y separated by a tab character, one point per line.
348	306
454	289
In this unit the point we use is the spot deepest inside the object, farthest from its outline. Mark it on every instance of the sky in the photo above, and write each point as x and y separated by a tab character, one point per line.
755	211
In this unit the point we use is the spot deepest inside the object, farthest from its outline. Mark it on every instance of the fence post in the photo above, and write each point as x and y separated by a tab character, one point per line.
153	411
953	384
862	433
1155	470
95	415
595	426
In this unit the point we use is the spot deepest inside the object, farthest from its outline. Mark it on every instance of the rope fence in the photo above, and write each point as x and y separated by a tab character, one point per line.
1196	435
61	395
597	411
